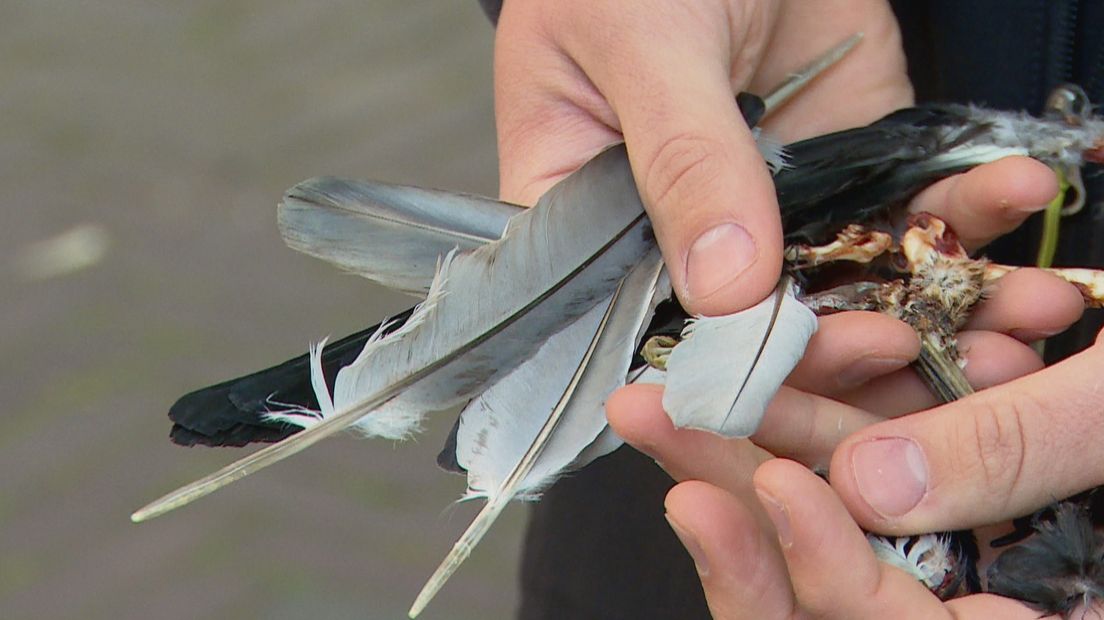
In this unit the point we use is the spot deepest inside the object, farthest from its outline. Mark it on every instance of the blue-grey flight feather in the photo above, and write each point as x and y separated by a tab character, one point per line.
498	426
392	234
495	305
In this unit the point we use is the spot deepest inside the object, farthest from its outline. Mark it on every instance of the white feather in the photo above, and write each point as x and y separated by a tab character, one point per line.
723	374
582	394
499	426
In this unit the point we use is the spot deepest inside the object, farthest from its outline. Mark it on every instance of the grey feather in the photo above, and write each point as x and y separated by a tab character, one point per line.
498	426
392	234
497	305
725	371
582	394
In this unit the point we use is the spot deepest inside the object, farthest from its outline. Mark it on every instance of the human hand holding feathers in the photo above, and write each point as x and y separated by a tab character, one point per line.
991	457
573	77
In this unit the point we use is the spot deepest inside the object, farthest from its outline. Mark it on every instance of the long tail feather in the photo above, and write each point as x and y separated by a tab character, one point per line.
497	428
506	490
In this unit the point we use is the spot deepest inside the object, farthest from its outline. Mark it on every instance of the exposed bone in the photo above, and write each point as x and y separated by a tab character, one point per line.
1089	281
856	244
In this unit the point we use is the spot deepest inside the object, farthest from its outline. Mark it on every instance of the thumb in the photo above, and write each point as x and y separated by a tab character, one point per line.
998	454
708	193
712	204
705	185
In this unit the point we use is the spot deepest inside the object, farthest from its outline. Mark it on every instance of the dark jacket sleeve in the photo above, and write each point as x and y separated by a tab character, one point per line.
1010	55
492	8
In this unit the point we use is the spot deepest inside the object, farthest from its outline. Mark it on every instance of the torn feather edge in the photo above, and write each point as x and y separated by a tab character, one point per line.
390	421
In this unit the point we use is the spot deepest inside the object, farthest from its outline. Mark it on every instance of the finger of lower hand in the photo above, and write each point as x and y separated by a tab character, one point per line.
995	455
990	200
636	414
832	569
738	561
851	348
991	359
1028	304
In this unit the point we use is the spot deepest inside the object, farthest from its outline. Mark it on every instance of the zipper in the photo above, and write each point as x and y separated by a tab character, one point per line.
1058	62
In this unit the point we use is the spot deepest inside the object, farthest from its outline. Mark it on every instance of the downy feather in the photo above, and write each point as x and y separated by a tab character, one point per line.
391	234
725	371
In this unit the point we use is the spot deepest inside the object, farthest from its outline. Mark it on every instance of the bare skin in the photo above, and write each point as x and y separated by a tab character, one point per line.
577	75
856	366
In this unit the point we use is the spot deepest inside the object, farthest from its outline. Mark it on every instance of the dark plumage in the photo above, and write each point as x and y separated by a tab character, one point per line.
1059	568
231	413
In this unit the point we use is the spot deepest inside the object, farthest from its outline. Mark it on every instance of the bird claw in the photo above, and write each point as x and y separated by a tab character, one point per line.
657	349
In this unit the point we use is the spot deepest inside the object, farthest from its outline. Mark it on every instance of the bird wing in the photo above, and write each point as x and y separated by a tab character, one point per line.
558	261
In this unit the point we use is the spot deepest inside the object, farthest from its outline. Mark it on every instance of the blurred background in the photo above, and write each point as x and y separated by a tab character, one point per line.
143	148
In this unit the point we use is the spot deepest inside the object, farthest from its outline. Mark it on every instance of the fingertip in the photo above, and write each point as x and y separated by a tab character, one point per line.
876	479
990	200
742	573
851	348
727	266
637	416
635	412
719	523
784	479
1020	185
832	568
993	359
1014	305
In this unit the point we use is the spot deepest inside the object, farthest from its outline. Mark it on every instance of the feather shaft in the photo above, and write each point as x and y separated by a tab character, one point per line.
496	504
474	332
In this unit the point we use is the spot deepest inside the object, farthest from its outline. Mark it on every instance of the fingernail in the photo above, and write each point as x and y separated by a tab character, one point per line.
891	474
776	510
693	547
868	368
1031	208
717	257
1031	335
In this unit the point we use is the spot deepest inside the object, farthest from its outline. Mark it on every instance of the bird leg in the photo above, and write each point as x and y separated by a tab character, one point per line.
1089	282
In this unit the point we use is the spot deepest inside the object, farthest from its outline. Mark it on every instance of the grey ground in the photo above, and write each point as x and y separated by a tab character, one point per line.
173	128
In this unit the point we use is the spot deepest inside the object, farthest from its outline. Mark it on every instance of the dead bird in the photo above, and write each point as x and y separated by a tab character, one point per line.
823	184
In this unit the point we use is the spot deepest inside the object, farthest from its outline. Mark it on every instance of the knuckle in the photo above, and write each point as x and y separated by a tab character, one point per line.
997	448
683	167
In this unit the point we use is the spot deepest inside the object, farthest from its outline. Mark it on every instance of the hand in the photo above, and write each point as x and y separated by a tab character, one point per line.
858	360
574	76
819	565
980	205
